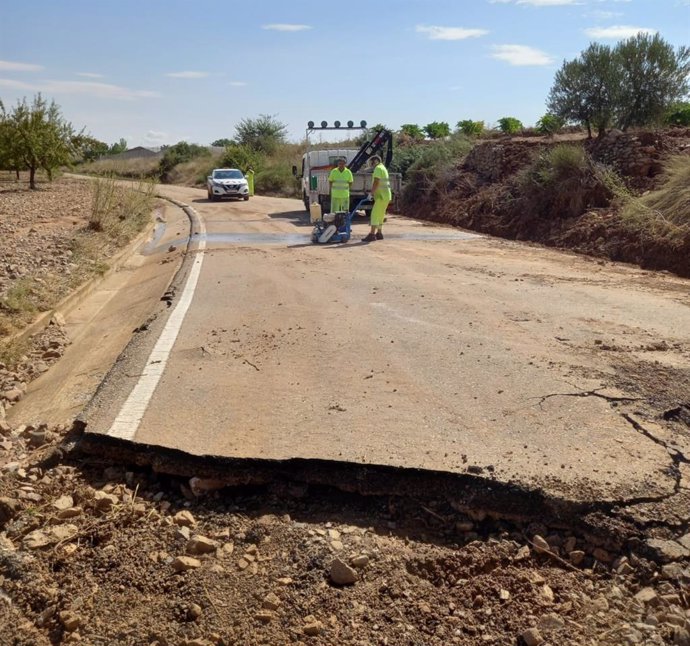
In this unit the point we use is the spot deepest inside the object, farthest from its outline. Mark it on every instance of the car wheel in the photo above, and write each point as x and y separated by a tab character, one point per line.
246	197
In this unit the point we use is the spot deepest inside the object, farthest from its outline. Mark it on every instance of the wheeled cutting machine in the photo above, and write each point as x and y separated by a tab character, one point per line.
336	227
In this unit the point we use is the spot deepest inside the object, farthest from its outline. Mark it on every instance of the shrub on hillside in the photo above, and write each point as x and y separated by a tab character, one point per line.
432	162
241	157
277	180
412	131
178	154
437	130
549	124
679	115
471	128
670	204
564	182
509	125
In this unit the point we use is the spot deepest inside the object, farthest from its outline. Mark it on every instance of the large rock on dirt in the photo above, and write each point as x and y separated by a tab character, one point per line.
341	573
198	544
36	540
184	518
532	637
667	551
184	563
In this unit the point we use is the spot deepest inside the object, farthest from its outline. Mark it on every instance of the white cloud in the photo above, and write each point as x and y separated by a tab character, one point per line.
449	33
156	137
13	66
616	32
238	83
99	90
521	55
188	75
285	27
90	75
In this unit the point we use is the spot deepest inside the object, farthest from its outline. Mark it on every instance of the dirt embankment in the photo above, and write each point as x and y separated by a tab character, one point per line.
485	192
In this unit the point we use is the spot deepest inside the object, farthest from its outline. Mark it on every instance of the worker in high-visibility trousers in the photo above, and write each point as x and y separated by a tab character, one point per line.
381	192
339	180
250	180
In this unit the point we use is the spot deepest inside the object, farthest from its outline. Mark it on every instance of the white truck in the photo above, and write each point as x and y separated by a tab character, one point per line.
317	164
227	182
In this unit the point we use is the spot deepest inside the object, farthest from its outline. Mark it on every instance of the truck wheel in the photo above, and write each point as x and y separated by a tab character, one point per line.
246	197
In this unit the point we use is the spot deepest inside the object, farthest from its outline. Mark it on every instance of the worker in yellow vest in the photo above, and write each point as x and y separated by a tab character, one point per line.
339	181
250	180
381	192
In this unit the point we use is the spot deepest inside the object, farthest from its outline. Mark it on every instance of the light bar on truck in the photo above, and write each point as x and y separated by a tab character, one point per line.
337	125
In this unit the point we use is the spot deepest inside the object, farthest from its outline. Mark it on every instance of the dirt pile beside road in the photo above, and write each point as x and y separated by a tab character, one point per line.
103	554
504	188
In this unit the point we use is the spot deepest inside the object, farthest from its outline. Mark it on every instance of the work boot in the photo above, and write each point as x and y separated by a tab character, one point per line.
379	235
370	238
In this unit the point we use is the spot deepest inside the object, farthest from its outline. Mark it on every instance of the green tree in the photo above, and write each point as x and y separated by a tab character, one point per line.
263	134
678	115
241	157
118	147
39	137
510	125
412	130
437	130
549	124
8	158
653	76
469	127
222	142
585	89
178	154
91	148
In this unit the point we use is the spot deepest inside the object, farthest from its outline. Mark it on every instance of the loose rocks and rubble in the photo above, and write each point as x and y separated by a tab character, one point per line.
101	554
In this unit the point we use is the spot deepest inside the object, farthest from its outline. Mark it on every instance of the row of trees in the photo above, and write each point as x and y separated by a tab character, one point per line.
640	81
35	136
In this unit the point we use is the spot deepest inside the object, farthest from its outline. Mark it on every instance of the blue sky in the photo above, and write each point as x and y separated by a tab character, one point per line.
156	72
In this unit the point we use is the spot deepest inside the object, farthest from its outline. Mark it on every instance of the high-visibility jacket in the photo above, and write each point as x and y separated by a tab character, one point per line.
340	186
250	181
383	191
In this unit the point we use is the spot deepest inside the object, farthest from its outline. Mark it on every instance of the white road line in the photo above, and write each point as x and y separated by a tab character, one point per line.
132	412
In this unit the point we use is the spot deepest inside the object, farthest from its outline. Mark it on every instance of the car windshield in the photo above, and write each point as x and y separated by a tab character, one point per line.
228	174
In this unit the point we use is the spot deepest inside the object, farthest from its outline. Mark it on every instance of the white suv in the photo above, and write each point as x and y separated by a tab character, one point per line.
226	182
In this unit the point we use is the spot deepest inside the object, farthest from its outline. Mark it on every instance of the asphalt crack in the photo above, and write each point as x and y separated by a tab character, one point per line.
677	456
589	393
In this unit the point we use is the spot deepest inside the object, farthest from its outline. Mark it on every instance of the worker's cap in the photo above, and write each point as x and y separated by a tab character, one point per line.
375	159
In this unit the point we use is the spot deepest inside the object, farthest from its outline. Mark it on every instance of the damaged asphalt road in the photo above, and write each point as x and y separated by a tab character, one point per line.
525	368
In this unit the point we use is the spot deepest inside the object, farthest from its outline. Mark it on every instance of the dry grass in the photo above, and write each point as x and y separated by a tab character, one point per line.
12	352
669	207
118	214
118	211
195	171
145	168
